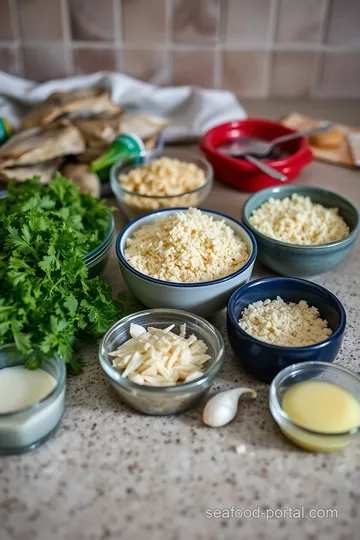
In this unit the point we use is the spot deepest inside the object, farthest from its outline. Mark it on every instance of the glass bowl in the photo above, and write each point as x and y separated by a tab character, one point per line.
162	400
28	428
134	205
314	371
97	258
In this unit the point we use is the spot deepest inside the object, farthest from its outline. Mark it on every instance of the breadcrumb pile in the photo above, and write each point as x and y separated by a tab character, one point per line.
298	220
186	247
163	177
285	324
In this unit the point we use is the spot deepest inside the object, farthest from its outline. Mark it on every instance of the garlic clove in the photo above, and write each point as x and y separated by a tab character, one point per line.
222	408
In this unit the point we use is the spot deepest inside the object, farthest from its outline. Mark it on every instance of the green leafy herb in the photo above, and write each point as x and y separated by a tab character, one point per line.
60	201
46	296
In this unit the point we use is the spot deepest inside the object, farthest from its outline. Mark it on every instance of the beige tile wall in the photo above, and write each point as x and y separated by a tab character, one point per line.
257	48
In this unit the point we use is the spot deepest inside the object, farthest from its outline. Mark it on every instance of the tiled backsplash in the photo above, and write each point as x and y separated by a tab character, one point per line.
256	48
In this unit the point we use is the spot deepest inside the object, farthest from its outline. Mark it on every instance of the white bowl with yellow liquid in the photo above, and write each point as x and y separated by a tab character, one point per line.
317	405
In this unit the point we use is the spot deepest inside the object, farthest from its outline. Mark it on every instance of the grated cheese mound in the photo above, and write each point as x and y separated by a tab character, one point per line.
159	357
186	247
298	220
285	324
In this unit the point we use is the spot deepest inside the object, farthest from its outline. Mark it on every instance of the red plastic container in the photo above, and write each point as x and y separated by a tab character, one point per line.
241	174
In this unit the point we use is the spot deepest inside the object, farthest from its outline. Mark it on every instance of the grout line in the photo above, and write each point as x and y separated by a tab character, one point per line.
218	68
17	42
319	59
95	44
169	47
232	46
68	53
270	45
219	45
273	21
117	12
325	21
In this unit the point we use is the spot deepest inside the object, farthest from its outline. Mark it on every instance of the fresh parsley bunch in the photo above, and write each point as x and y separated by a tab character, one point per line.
62	202
46	296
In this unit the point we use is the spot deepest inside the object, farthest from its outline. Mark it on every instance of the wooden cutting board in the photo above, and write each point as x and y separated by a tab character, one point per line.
339	156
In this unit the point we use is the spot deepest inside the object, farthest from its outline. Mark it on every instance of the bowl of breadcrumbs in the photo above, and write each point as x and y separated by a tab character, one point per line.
275	322
187	259
167	179
301	230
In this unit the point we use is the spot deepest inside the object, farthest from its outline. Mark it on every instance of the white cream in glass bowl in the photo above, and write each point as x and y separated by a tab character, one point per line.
31	401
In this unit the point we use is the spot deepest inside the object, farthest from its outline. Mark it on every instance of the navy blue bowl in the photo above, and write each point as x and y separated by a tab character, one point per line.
264	360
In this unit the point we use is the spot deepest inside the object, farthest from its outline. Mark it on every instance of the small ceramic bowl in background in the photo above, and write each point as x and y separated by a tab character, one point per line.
28	428
239	173
312	371
296	259
162	400
97	258
264	360
205	298
134	205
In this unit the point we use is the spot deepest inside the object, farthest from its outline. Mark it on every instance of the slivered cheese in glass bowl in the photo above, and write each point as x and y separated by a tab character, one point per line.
159	357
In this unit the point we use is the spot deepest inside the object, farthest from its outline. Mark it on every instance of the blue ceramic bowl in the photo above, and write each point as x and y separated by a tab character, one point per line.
204	298
303	260
97	258
264	360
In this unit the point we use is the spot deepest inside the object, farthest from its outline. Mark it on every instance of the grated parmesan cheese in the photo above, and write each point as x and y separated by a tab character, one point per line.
298	220
285	324
186	247
159	357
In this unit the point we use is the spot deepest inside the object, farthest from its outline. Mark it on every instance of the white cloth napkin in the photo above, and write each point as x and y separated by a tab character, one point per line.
192	110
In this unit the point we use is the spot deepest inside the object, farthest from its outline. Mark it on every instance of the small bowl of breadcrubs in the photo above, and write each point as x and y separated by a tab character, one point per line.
273	323
162	179
301	230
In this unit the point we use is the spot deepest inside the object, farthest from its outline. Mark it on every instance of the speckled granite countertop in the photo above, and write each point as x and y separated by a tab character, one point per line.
111	473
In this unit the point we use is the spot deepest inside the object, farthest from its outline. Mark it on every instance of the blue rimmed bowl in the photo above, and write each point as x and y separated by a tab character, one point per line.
264	360
205	298
303	260
97	258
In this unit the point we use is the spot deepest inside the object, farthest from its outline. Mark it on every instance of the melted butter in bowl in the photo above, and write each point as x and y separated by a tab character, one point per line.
317	405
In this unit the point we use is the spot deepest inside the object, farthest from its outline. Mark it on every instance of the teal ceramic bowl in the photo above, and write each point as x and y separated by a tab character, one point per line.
97	258
296	259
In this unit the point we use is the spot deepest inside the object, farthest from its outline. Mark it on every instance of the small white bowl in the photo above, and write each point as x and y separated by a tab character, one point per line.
205	298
